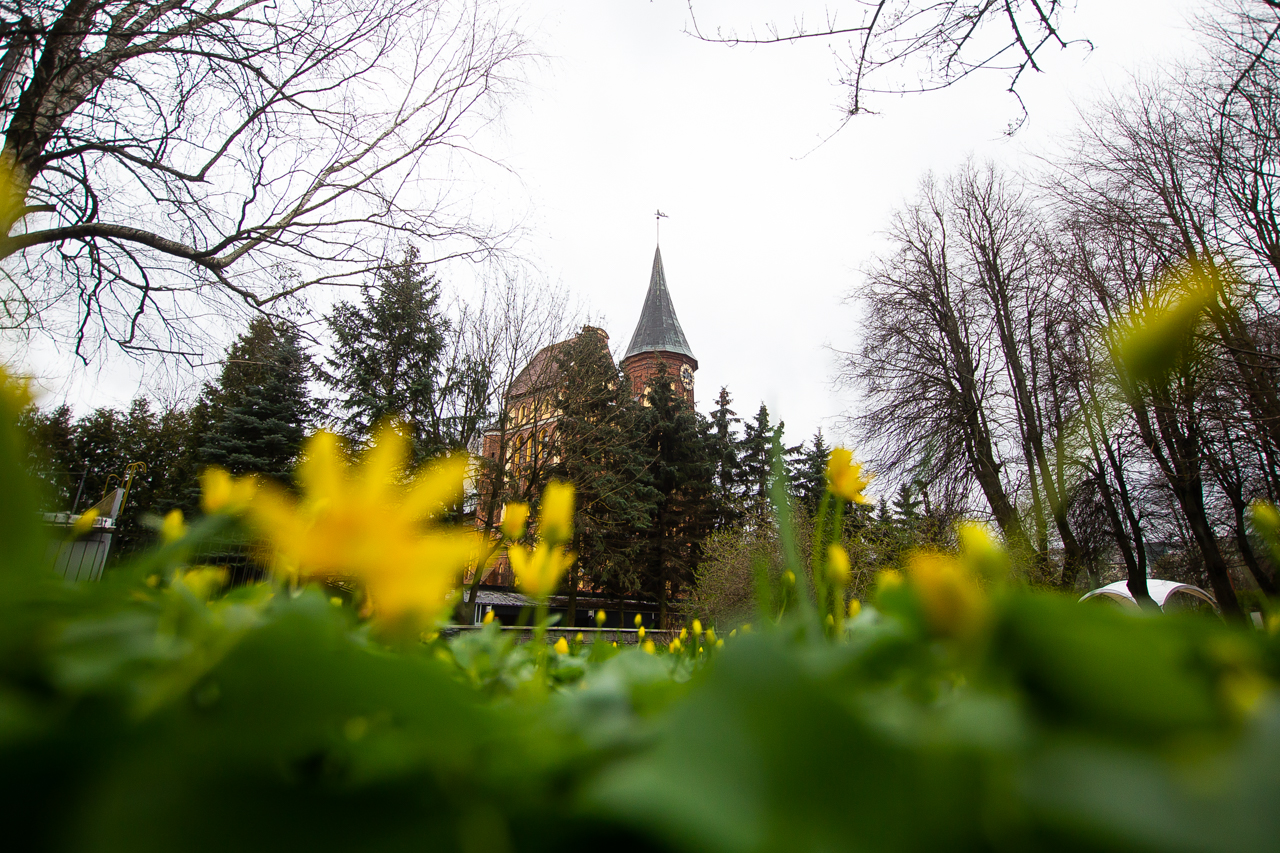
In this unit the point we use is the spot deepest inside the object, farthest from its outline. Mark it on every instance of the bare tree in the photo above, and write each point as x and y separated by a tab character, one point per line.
931	44
180	155
929	365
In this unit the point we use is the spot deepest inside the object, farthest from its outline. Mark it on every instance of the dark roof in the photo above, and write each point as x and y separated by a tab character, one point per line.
542	373
658	329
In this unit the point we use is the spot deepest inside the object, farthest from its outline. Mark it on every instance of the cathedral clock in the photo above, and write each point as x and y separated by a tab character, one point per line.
686	377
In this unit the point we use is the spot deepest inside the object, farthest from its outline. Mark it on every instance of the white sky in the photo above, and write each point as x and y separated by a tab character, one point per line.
768	228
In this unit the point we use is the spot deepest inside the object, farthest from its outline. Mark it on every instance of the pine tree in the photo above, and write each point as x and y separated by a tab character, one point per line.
259	410
681	474
387	358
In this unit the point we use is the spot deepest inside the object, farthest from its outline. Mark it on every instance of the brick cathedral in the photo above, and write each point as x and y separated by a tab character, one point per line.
658	339
530	404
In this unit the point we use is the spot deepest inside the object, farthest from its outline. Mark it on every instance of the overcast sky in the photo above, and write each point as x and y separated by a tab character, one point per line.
768	224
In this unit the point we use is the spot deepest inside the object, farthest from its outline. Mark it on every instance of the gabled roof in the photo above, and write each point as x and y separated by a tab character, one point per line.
542	373
658	329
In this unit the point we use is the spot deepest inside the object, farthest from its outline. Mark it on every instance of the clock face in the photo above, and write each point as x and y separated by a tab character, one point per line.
686	377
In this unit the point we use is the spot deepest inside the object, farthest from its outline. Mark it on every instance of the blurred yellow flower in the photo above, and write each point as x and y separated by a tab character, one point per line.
514	518
1150	340
844	476
838	569
675	647
538	569
488	617
982	554
719	644
648	646
600	617
640	632
220	492
555	514
953	603
888	579
711	635
562	646
789	577
639	620
684	633
577	638
855	607
697	627
203	581
366	521
84	522
15	391
173	527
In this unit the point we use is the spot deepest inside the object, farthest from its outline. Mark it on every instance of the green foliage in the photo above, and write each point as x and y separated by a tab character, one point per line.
153	711
394	357
259	410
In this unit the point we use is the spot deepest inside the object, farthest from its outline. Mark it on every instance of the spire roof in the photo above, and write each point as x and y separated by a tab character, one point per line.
658	329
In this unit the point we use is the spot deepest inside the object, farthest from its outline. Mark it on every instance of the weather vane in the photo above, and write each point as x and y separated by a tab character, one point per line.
658	216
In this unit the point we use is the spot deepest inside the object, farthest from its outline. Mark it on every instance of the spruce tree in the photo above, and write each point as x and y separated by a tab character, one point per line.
681	471
722	442
600	449
809	474
387	355
259	410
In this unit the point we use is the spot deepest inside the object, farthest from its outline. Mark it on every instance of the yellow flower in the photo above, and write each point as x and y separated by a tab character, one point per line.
639	620
830	621
838	565
697	628
733	633
488	617
684	634
981	553
15	391
514	518
952	601
555	515
844	476
203	581
648	646
335	601
640	632
789	578
562	647
719	644
675	647
577	638
888	579
84	523
365	521
711	635
1147	343
220	492
600	617
855	607
173	528
538	569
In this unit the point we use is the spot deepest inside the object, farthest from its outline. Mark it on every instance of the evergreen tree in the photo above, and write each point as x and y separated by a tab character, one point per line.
387	360
681	471
755	453
722	442
600	449
51	455
259	410
809	474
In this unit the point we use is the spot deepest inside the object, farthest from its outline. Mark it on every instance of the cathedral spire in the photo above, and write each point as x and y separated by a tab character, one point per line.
658	329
